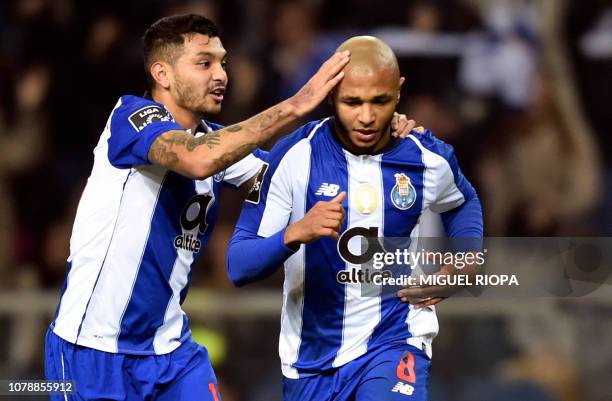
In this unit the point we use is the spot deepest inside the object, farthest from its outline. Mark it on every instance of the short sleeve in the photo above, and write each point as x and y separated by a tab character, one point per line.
240	172
134	125
445	185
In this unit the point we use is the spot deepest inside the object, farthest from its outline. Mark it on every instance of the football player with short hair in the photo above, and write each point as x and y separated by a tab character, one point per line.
347	175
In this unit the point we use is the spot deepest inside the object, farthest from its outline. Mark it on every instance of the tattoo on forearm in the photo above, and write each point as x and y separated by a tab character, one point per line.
211	140
162	150
234	128
266	120
229	158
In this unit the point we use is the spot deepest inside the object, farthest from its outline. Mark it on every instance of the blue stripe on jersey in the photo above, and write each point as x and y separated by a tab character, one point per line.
404	158
323	310
151	291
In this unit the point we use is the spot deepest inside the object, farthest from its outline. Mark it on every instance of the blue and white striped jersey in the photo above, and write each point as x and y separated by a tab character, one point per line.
324	323
138	229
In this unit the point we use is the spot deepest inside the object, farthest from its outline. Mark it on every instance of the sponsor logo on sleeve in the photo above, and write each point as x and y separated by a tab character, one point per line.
148	115
255	192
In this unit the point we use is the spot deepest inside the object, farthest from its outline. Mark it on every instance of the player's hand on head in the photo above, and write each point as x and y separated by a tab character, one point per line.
324	219
401	126
321	83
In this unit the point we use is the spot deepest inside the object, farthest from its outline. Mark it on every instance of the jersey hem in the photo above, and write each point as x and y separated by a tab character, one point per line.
124	351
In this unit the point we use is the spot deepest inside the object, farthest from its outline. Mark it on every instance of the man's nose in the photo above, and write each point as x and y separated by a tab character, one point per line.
366	114
219	74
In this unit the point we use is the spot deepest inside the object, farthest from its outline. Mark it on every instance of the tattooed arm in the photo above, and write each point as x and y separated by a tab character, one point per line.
204	156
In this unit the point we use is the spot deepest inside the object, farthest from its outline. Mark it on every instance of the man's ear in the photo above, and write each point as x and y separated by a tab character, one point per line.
160	72
399	90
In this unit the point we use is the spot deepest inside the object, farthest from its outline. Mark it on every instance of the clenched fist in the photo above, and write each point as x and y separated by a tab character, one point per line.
324	219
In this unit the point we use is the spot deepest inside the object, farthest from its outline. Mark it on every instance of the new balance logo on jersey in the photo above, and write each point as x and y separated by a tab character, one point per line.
328	189
403	388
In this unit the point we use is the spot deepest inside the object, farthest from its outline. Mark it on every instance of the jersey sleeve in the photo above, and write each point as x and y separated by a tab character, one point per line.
449	191
240	172
134	125
445	185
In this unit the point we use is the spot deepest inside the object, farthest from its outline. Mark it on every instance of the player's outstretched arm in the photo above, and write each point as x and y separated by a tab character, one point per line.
204	156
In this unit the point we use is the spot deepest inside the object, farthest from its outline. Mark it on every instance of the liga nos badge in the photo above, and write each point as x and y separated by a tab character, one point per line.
403	194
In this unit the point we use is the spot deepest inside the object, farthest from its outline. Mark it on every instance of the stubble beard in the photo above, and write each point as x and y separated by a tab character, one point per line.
188	98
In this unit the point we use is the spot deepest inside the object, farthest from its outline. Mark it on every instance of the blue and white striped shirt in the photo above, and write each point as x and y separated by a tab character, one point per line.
138	230
324	323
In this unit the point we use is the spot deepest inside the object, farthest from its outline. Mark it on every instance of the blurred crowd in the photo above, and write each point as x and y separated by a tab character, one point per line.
520	88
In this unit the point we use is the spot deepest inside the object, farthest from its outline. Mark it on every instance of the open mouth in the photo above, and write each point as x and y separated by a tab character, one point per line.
217	94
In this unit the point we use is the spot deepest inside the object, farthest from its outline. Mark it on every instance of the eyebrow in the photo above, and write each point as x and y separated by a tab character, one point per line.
209	54
351	98
384	96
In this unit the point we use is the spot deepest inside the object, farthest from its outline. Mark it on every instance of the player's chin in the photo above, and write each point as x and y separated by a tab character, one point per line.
211	107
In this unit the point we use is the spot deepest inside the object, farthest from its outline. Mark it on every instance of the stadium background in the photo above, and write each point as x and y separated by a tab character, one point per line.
522	89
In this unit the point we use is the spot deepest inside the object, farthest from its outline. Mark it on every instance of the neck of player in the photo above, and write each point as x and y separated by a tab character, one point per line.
186	118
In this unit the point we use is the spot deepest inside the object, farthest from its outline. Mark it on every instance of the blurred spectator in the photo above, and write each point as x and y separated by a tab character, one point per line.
503	62
540	180
22	141
295	55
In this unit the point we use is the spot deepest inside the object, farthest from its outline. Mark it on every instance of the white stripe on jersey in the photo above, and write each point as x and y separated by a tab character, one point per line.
293	286
102	324
105	182
422	323
438	179
361	314
276	217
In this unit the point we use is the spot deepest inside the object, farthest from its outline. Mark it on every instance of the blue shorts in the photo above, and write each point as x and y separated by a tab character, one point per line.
184	374
397	373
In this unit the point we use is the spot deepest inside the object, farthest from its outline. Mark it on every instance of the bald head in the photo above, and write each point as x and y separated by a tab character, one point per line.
365	100
370	55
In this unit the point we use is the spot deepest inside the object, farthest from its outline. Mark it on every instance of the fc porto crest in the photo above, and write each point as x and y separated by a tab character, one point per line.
403	193
219	176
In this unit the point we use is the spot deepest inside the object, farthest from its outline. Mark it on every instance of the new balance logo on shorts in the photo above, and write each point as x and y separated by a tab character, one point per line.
328	189
403	388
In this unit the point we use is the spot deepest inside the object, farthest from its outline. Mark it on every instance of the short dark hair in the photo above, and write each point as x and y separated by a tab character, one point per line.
168	33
